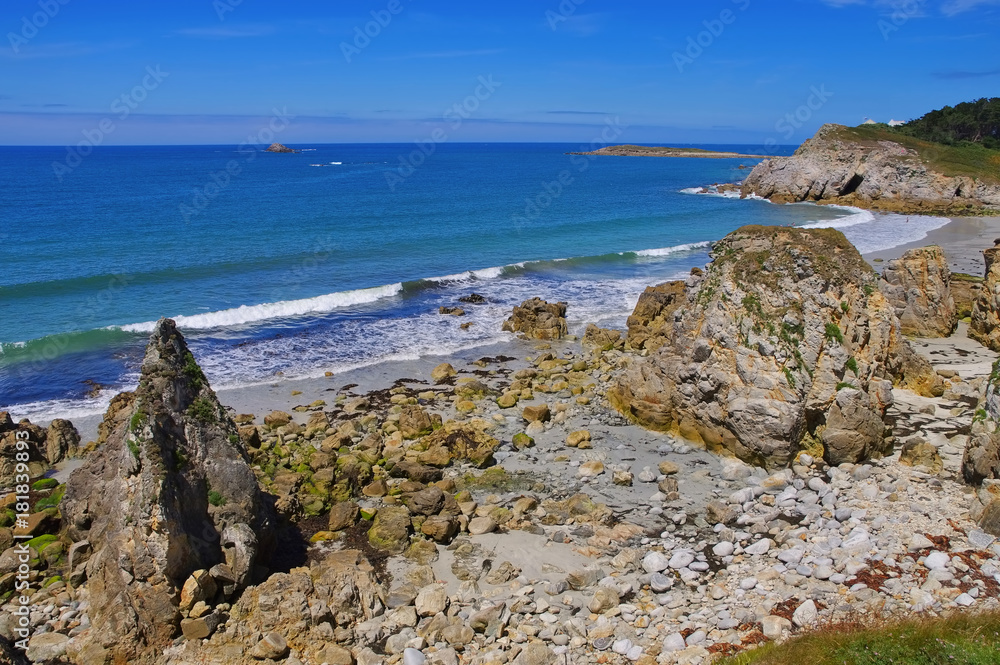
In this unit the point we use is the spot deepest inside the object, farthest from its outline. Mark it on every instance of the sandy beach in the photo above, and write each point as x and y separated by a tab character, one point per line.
963	239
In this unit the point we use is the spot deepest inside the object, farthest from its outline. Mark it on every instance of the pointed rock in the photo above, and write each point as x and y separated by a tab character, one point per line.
169	493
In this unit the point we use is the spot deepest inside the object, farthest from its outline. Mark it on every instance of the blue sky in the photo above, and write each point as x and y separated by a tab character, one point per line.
718	71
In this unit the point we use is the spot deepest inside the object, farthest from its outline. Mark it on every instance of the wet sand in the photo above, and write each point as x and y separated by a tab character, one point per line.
963	241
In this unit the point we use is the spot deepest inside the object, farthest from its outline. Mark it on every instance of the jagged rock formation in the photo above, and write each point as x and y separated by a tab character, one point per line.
602	339
981	461
840	165
537	319
985	325
784	344
44	447
277	147
965	291
652	314
918	285
304	607
169	493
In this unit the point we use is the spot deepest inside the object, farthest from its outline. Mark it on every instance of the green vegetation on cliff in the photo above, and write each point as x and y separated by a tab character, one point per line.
968	122
965	159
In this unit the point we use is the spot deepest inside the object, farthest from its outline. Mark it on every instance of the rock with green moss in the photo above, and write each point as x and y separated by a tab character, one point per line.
522	441
754	348
390	531
149	484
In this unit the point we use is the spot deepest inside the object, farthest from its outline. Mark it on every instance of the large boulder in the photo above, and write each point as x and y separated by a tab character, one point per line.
16	440
985	324
981	461
651	318
784	344
918	285
169	493
303	607
61	441
462	441
538	319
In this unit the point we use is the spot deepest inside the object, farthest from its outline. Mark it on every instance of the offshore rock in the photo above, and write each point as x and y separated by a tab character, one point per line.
538	319
918	284
784	344
170	492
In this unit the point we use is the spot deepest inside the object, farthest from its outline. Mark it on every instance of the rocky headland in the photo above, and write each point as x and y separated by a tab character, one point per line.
767	448
877	170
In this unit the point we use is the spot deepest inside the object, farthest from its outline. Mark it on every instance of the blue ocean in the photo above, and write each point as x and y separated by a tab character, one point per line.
279	266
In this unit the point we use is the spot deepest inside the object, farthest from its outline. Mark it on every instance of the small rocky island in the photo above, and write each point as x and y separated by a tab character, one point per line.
277	147
656	151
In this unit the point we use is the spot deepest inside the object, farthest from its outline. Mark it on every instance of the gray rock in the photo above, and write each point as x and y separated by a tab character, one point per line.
272	646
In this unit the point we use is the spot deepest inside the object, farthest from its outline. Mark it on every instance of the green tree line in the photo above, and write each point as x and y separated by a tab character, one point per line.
968	122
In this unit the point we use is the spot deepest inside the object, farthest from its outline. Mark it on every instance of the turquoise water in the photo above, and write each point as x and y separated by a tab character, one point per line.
334	258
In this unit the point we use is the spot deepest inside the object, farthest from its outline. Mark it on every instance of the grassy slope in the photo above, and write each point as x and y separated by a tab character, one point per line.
963	160
962	639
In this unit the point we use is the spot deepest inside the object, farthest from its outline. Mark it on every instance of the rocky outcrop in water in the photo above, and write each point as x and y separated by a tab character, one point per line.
985	324
840	165
785	344
170	493
277	147
538	319
918	285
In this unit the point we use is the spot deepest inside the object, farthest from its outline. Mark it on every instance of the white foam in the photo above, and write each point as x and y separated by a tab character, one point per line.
666	251
470	275
254	313
857	216
876	232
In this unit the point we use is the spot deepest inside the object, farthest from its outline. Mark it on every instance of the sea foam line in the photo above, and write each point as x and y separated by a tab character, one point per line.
282	309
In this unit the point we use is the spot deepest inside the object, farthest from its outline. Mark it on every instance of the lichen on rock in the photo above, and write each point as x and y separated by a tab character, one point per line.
785	340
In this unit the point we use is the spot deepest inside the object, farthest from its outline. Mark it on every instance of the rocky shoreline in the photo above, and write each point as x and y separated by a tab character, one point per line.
858	167
496	509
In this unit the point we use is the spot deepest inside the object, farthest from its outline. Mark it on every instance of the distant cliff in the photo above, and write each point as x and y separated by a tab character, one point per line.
873	167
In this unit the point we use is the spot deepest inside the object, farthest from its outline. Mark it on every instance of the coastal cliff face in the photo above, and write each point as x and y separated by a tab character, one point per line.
985	323
838	165
918	284
170	493
784	344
